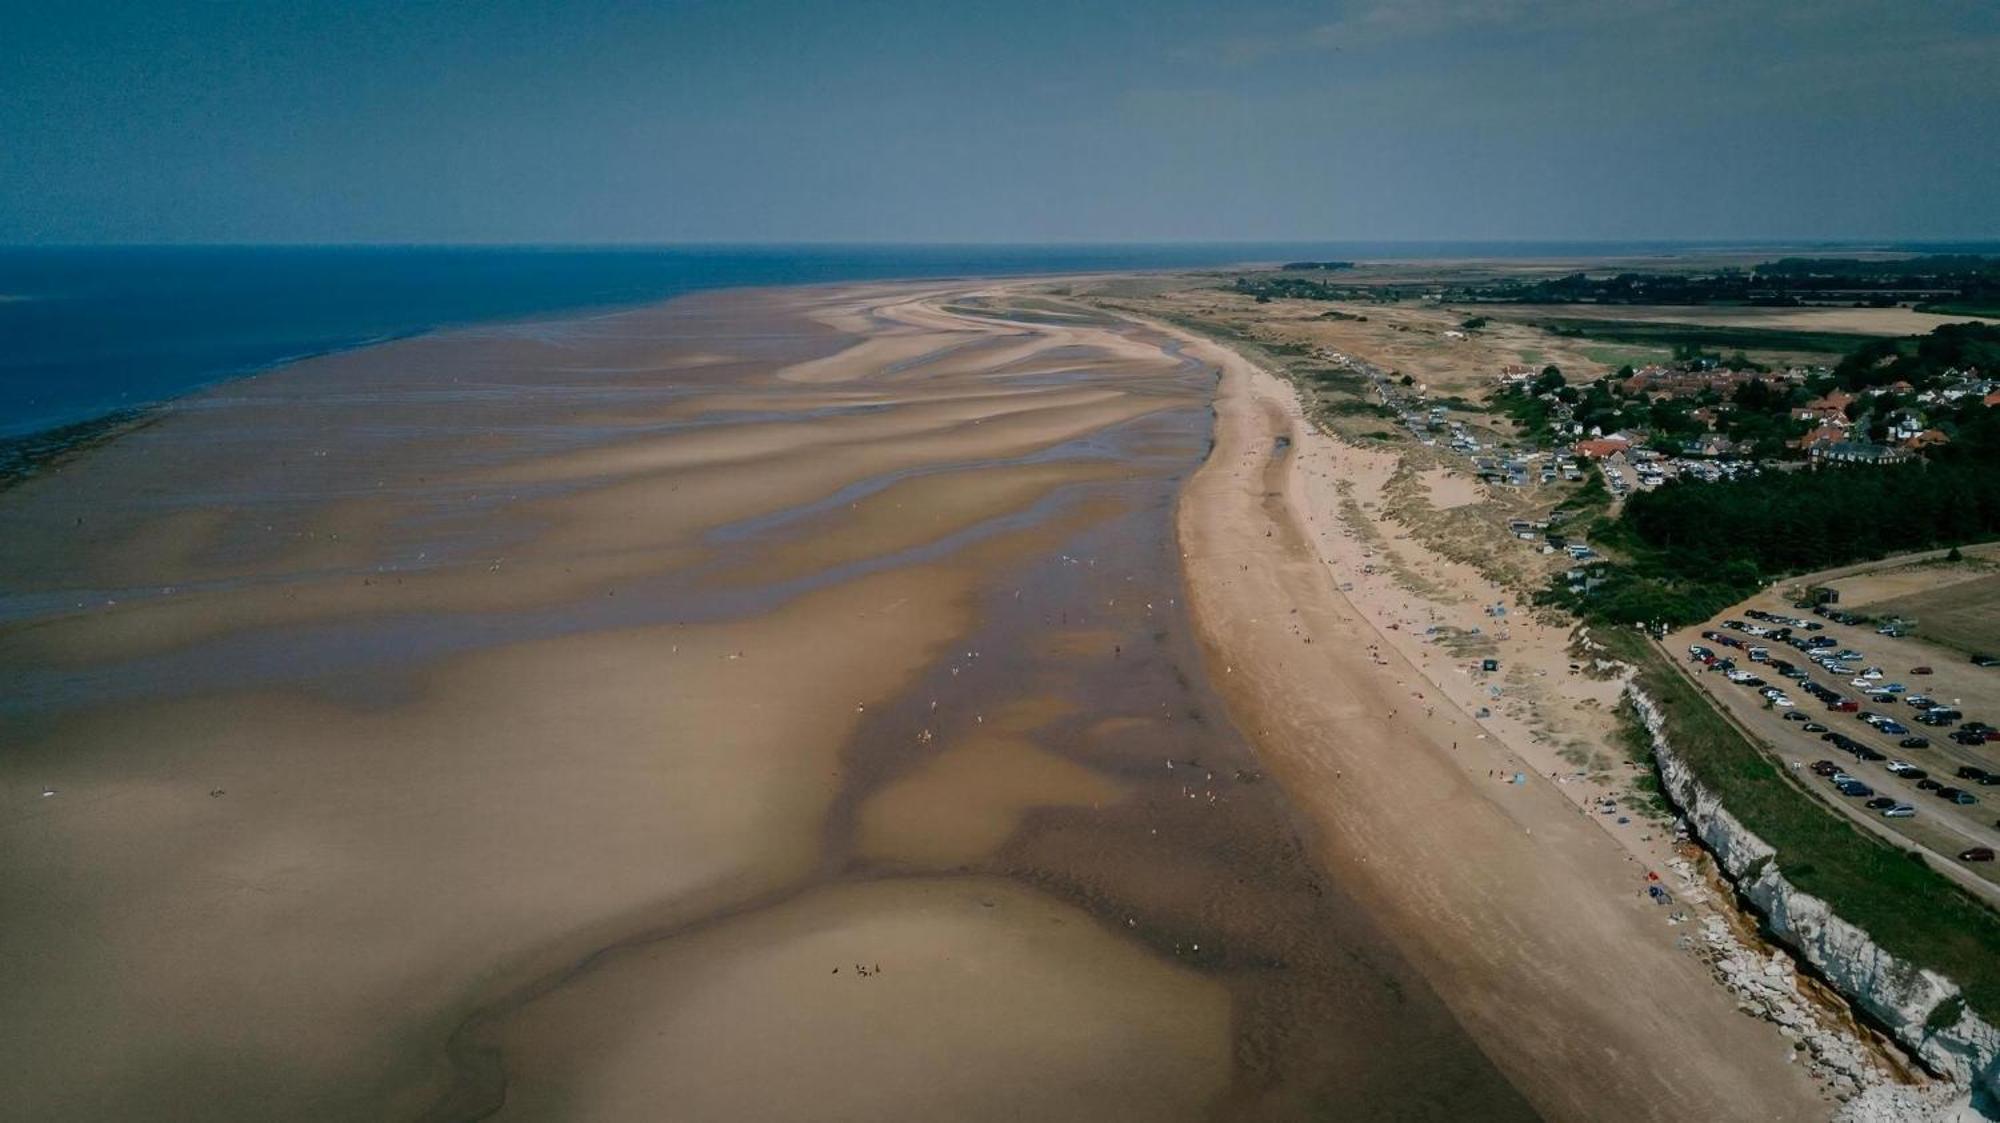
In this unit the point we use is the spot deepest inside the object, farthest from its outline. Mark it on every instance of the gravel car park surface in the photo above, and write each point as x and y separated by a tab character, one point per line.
1944	828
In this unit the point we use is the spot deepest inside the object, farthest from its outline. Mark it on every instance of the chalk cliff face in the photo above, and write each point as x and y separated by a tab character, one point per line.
1902	996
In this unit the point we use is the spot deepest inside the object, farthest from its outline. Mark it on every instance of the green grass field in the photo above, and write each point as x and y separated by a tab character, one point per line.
1706	336
1911	910
1964	617
1617	355
1962	308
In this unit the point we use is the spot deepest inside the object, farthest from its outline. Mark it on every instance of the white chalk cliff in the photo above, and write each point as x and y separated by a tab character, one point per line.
1921	1008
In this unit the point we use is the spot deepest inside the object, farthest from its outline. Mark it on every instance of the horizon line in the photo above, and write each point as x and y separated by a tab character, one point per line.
1708	242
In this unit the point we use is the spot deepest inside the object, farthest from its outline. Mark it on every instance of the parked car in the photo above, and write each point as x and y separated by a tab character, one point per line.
1892	727
1970	772
1854	788
1914	743
1865	753
1914	774
1824	768
1956	795
1976	854
1921	671
1928	785
1812	726
1880	803
1986	661
1795	716
1900	811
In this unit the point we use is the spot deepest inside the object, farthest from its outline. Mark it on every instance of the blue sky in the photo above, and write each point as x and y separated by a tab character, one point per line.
538	121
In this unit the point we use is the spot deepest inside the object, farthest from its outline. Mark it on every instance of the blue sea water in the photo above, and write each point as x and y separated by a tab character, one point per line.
89	331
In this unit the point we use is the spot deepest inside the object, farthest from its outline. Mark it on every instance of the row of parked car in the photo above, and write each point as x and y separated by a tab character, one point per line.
1826	652
1867	679
1829	654
1891	808
1892	629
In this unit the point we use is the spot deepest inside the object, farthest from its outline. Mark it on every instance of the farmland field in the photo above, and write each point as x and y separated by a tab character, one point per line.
1964	616
1654	333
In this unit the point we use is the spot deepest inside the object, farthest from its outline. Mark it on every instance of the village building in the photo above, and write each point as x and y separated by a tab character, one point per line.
1857	452
1598	448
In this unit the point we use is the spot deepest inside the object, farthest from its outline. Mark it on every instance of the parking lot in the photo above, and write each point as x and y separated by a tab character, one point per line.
1814	689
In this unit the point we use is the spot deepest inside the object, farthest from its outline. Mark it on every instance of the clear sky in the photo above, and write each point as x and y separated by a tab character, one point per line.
765	120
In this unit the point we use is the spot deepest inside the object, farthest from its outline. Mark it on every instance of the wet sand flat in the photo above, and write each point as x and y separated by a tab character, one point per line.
795	1015
553	718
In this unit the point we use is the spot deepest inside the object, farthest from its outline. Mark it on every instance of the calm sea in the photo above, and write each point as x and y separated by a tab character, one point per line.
87	332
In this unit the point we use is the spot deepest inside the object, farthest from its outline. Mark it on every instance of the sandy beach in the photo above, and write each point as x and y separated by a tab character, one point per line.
733	563
1528	918
758	704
